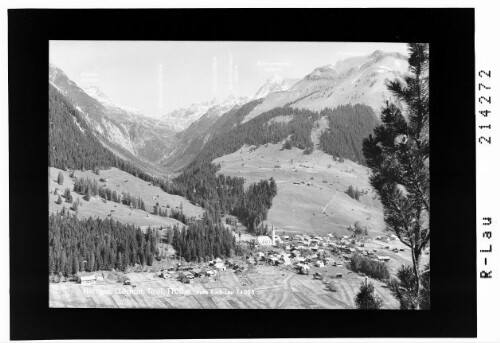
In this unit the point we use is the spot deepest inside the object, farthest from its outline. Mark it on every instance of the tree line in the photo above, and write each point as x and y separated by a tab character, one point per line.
219	194
254	205
97	244
348	125
203	241
90	188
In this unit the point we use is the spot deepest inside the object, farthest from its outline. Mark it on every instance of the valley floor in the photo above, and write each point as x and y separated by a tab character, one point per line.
264	287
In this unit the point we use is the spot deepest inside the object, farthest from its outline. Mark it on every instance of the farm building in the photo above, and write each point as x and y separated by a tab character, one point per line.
319	264
220	266
273	260
303	268
197	272
300	259
188	275
87	279
384	258
286	260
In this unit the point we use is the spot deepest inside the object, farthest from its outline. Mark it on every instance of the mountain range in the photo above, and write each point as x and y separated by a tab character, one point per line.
171	142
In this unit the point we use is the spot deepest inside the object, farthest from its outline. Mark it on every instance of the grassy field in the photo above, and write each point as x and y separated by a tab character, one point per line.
320	207
264	287
120	182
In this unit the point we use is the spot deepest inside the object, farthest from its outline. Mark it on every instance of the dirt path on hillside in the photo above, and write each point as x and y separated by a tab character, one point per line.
333	198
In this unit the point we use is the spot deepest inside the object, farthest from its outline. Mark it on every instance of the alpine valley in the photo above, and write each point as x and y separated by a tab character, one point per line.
235	201
299	132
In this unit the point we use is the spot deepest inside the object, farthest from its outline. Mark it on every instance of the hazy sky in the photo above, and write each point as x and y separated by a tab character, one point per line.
158	77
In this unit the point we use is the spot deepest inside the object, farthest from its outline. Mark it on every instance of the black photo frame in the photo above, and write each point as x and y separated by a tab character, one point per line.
450	33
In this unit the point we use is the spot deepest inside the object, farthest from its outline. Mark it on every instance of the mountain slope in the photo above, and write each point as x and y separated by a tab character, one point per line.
358	80
72	144
342	137
120	181
311	189
192	140
274	84
129	134
181	118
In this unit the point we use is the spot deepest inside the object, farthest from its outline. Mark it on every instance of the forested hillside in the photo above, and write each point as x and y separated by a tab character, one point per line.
95	244
219	194
348	126
204	240
262	130
73	145
103	244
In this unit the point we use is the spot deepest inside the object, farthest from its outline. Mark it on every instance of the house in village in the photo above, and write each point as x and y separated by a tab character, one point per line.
220	266
273	260
286	259
384	258
87	279
197	272
300	259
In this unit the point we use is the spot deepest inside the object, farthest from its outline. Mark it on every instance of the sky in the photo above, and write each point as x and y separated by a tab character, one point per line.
157	77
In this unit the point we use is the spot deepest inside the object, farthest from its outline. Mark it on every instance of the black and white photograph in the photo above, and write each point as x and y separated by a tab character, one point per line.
249	173
239	175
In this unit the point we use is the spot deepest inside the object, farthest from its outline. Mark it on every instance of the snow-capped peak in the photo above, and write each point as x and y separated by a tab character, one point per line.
354	80
181	118
275	83
96	93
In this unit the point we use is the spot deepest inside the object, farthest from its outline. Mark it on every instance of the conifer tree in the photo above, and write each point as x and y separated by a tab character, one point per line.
398	156
87	195
68	196
75	206
60	178
366	299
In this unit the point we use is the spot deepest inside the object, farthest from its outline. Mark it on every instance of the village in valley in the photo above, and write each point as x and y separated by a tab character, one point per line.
280	270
